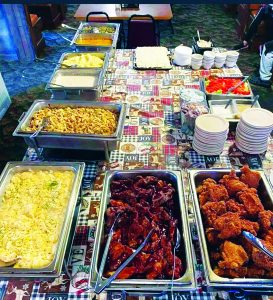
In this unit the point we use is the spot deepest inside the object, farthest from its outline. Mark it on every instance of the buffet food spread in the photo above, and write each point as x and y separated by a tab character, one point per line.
148	137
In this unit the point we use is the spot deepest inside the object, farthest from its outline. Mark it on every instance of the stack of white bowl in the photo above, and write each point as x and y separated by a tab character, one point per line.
208	59
220	59
210	134
196	61
231	59
253	130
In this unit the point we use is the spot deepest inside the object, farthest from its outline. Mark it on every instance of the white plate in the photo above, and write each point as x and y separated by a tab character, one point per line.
257	118
212	123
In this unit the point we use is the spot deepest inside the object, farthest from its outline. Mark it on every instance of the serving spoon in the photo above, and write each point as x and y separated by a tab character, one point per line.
8	263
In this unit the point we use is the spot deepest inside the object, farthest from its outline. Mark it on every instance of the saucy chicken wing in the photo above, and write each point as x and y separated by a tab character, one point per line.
265	219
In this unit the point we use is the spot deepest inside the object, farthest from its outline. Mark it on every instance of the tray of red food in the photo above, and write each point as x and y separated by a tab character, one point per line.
228	202
144	200
218	88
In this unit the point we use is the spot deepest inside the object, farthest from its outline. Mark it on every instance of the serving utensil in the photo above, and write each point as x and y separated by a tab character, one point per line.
69	27
237	85
228	104
101	286
256	98
176	246
44	123
256	242
198	34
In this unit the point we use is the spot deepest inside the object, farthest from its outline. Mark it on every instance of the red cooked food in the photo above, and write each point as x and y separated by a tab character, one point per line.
216	85
231	255
144	202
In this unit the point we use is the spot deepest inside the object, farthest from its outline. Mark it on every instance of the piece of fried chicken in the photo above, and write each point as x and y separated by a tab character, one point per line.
231	225
265	219
251	201
211	210
232	183
262	260
233	256
249	177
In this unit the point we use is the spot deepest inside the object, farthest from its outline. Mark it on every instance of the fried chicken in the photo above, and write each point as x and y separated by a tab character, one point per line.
231	273
211	210
265	219
251	201
262	260
268	235
212	236
233	206
229	225
232	183
249	177
205	185
234	256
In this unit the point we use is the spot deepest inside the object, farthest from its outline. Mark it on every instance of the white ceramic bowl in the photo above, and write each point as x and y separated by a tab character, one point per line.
219	65
232	54
209	54
230	64
195	66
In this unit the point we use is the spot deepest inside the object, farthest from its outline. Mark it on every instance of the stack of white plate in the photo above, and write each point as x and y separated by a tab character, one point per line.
253	130
208	59
182	55
231	59
210	134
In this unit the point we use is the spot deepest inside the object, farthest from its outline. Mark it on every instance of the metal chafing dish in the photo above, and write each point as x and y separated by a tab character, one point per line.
72	141
225	96
233	107
82	35
101	54
73	84
213	281
83	28
54	269
186	282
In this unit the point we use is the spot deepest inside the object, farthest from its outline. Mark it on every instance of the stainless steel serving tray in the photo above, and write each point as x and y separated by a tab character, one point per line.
116	26
186	282
101	54
214	281
234	103
79	35
72	141
89	90
226	96
54	269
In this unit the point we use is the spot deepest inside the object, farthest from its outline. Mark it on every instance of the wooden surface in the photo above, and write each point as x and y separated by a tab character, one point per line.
158	11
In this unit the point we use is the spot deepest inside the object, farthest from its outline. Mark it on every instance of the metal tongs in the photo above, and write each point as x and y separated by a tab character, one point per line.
102	284
237	85
256	242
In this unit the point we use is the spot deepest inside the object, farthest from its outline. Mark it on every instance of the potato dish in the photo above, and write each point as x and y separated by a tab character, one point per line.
32	212
83	60
79	120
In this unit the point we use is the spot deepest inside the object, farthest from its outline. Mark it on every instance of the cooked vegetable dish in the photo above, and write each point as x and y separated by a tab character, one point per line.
144	202
32	212
229	207
98	29
83	60
81	120
94	41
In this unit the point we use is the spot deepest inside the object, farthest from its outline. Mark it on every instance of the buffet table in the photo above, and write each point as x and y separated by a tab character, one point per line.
153	138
